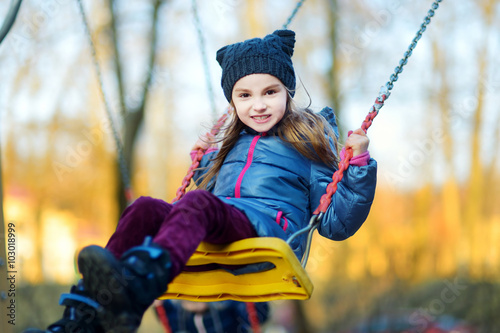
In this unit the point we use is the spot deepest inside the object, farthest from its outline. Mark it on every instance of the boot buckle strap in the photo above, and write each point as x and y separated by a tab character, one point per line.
67	299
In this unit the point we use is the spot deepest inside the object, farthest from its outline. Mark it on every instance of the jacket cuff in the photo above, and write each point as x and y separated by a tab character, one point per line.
360	160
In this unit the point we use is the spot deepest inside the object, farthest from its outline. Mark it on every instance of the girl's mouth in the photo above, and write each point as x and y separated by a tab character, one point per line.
261	119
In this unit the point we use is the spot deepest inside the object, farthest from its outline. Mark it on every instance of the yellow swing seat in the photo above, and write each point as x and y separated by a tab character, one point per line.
286	280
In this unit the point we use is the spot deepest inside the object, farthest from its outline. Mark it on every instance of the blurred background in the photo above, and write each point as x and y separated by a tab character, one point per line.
428	257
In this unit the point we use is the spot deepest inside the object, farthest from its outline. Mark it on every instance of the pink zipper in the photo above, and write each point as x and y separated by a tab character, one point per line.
237	190
278	220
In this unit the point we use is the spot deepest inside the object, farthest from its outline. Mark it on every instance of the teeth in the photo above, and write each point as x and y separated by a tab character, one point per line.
260	117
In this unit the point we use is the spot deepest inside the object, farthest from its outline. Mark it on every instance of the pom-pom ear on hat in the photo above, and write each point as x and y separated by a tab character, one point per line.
269	55
287	37
220	55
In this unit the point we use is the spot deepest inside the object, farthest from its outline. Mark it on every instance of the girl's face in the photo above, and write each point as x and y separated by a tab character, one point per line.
260	101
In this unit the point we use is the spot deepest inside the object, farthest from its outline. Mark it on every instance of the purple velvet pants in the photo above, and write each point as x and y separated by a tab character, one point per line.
198	216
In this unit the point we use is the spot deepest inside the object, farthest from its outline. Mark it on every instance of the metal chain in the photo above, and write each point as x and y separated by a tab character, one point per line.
384	93
121	159
367	122
292	16
407	54
201	42
10	18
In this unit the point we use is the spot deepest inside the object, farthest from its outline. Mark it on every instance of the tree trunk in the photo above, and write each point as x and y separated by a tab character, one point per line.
132	118
333	88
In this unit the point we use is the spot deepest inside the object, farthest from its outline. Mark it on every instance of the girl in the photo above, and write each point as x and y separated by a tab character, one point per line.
273	166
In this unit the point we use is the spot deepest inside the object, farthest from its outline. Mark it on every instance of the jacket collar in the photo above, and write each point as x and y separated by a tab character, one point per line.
272	132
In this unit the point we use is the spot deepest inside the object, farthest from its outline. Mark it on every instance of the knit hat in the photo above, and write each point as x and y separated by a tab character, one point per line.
269	55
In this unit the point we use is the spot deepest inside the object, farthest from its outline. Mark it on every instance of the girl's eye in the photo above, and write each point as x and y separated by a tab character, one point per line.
270	92
244	95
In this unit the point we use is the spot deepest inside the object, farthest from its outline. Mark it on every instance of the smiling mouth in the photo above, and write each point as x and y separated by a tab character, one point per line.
260	118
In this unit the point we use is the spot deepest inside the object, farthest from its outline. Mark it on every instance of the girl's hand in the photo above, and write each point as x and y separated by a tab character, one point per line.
358	141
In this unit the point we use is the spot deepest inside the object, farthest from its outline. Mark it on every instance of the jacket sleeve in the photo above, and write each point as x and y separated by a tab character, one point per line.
351	202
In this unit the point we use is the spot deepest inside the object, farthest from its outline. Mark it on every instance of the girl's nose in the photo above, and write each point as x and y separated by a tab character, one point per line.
259	105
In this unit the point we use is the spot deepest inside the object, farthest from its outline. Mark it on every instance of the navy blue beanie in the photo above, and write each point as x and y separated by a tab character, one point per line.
269	55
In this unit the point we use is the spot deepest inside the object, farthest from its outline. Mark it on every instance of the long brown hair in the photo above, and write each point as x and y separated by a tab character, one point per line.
307	132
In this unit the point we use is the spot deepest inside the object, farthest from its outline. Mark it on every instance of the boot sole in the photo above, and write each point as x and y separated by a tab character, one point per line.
104	279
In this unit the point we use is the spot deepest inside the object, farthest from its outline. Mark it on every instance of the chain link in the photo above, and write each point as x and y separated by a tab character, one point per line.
384	93
292	16
407	54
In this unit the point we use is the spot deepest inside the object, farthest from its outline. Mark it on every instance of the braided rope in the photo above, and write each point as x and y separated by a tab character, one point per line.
384	93
162	315
344	163
199	155
253	317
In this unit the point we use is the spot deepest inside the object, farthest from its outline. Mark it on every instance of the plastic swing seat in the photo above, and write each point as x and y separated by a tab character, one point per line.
278	273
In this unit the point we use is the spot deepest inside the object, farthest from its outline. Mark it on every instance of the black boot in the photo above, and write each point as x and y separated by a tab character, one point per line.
80	315
127	287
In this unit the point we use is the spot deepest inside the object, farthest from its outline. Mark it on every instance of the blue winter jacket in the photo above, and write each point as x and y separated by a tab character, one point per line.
278	188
